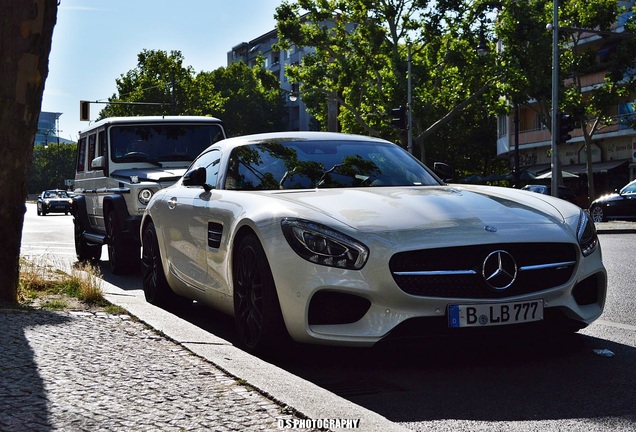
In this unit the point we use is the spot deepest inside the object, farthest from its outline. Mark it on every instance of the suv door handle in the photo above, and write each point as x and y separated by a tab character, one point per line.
172	203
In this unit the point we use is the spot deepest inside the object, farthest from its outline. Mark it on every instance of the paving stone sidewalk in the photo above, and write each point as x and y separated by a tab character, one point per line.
70	371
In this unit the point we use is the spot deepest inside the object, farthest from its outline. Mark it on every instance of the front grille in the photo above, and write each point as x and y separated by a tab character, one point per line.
457	272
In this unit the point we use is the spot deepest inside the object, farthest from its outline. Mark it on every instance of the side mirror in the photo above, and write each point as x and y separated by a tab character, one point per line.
99	163
196	177
443	171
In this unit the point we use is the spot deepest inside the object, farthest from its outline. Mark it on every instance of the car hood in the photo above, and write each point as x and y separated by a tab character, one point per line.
434	208
150	174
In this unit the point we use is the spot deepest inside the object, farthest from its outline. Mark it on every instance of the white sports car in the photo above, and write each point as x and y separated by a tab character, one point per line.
347	240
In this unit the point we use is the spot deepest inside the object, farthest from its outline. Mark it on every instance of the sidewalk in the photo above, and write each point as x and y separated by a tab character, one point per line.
151	371
88	372
616	227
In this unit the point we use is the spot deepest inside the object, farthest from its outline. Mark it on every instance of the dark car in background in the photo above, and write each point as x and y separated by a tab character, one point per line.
618	205
564	192
54	201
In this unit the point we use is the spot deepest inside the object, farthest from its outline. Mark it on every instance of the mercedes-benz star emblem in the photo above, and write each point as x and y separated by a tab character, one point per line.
499	270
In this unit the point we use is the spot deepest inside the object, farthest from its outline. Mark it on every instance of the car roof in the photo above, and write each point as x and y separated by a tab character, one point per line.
152	119
307	136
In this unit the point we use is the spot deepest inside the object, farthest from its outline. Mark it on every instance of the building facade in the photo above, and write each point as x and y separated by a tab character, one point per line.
48	130
613	145
276	62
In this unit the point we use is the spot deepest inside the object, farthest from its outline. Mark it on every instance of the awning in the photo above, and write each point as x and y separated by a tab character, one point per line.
597	167
564	174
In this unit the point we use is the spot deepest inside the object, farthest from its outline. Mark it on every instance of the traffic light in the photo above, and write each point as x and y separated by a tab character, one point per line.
399	117
85	111
566	125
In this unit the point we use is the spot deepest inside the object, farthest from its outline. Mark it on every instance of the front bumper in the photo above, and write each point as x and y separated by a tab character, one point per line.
325	305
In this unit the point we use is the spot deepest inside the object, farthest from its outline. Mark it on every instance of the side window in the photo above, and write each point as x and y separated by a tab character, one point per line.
210	161
91	149
101	143
81	154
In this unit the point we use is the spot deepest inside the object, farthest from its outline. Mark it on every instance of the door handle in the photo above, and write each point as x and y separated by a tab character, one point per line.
172	203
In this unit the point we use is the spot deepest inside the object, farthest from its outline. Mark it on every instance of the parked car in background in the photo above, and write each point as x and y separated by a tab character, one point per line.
54	201
564	192
347	240
618	205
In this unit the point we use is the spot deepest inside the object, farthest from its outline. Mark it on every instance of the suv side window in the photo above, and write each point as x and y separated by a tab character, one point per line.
81	155
91	150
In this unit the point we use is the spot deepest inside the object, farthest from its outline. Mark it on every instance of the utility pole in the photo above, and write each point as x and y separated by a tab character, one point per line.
409	105
556	169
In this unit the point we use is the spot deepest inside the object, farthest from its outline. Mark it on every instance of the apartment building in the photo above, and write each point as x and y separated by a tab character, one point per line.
613	146
276	61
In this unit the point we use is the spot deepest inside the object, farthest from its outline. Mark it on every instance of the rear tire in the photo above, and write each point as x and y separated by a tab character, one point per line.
257	314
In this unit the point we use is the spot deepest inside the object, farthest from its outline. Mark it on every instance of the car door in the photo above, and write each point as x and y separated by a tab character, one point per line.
185	226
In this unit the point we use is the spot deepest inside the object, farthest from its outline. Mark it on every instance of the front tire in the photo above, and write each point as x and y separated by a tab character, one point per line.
257	314
597	213
83	250
156	288
123	255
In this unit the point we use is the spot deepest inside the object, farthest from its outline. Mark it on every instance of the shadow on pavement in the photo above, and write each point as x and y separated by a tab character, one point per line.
22	391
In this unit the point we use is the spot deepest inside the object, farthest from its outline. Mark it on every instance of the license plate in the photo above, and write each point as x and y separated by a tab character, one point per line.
479	315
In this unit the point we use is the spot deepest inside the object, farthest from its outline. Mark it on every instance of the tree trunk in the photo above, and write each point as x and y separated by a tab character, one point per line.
26	30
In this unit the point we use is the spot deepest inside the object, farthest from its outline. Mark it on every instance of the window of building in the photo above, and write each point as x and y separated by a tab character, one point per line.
502	125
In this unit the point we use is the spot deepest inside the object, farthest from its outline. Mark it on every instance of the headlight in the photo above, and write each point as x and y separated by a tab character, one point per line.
144	196
586	234
321	245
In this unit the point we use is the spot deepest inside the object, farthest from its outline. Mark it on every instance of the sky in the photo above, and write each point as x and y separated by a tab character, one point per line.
97	41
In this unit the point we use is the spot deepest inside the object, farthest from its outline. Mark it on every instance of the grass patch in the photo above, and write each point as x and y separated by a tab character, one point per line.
48	287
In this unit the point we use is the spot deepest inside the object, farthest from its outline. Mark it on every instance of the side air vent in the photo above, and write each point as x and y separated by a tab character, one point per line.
215	231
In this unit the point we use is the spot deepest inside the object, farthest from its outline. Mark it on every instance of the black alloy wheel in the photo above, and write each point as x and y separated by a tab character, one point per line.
257	314
156	288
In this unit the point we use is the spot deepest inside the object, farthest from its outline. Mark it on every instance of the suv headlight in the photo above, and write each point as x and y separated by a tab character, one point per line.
586	234
321	245
144	196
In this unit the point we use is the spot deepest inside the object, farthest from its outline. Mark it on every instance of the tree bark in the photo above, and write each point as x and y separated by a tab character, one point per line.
26	30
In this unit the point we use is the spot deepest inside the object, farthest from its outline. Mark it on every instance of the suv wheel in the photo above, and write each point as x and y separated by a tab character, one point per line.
123	255
83	250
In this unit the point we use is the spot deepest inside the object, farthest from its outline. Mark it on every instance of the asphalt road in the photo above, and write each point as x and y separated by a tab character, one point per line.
583	382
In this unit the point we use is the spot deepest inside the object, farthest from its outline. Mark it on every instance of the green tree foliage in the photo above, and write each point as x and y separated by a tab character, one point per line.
248	100
152	82
360	57
51	166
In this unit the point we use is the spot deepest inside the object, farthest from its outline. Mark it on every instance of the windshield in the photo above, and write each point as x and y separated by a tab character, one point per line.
160	143
55	194
327	164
